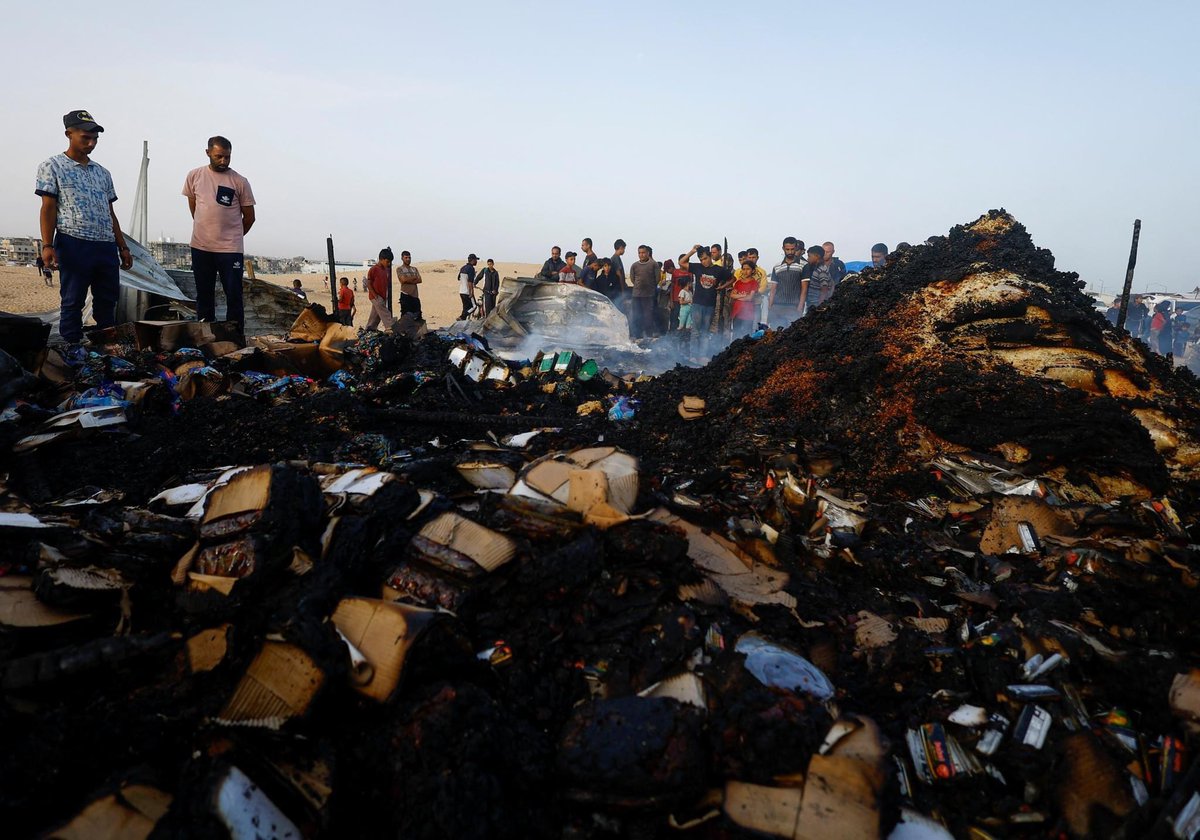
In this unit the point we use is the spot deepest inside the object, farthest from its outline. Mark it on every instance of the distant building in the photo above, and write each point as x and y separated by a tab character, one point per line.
21	250
323	268
276	265
171	254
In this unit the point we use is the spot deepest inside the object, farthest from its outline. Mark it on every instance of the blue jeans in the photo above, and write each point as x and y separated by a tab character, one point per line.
207	267
701	318
84	264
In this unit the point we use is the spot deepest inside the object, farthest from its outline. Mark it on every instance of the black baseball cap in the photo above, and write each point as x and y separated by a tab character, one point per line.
471	257
81	119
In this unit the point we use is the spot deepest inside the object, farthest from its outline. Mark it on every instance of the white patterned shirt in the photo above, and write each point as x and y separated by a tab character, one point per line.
85	194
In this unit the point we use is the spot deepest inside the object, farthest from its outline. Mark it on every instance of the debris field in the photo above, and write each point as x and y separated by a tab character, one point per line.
922	564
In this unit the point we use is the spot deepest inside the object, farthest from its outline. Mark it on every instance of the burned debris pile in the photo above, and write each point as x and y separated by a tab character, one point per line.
972	342
922	565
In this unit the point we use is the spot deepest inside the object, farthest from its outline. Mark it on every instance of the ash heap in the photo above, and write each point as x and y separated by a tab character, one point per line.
921	565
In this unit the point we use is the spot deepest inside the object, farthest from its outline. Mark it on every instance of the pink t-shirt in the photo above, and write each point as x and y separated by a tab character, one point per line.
220	197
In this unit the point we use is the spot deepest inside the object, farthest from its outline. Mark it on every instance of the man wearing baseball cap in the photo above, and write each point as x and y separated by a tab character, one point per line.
80	231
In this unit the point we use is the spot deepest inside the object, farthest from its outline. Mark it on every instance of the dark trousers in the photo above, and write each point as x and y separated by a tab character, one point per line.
207	268
489	302
346	316
745	326
468	303
641	316
410	305
84	264
701	318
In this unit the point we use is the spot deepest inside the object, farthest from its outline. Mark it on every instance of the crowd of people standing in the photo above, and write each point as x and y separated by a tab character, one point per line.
707	292
1163	328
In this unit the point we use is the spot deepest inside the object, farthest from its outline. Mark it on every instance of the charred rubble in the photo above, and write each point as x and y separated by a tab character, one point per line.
923	563
973	342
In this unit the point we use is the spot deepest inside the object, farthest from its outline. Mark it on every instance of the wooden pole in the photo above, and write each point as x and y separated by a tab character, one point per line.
1137	231
333	289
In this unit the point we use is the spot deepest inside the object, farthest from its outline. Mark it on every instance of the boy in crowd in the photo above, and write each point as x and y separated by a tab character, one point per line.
587	274
879	254
80	233
709	278
346	306
568	273
376	283
604	279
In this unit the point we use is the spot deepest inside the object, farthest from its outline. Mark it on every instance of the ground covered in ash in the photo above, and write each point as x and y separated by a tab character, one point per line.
927	554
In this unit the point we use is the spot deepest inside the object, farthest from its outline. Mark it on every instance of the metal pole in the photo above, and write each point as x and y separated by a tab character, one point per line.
1137	231
333	289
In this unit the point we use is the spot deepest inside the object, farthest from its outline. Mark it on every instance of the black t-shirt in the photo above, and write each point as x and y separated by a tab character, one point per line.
707	280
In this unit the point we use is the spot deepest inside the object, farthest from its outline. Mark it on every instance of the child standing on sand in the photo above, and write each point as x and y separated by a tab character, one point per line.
685	303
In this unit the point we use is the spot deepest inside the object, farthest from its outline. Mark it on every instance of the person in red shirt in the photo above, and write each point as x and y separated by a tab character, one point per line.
745	287
378	278
345	303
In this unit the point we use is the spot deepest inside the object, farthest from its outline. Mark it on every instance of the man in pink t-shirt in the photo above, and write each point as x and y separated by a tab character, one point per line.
222	207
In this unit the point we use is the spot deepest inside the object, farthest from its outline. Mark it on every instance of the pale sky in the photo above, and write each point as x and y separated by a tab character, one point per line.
504	128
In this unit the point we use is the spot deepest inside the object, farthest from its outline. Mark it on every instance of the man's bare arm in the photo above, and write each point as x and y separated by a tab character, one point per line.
192	205
126	257
48	218
247	218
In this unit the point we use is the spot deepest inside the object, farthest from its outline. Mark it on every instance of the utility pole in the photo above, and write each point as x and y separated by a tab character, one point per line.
333	289
1137	231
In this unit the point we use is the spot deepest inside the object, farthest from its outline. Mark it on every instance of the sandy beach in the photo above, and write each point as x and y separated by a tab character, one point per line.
439	288
23	290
